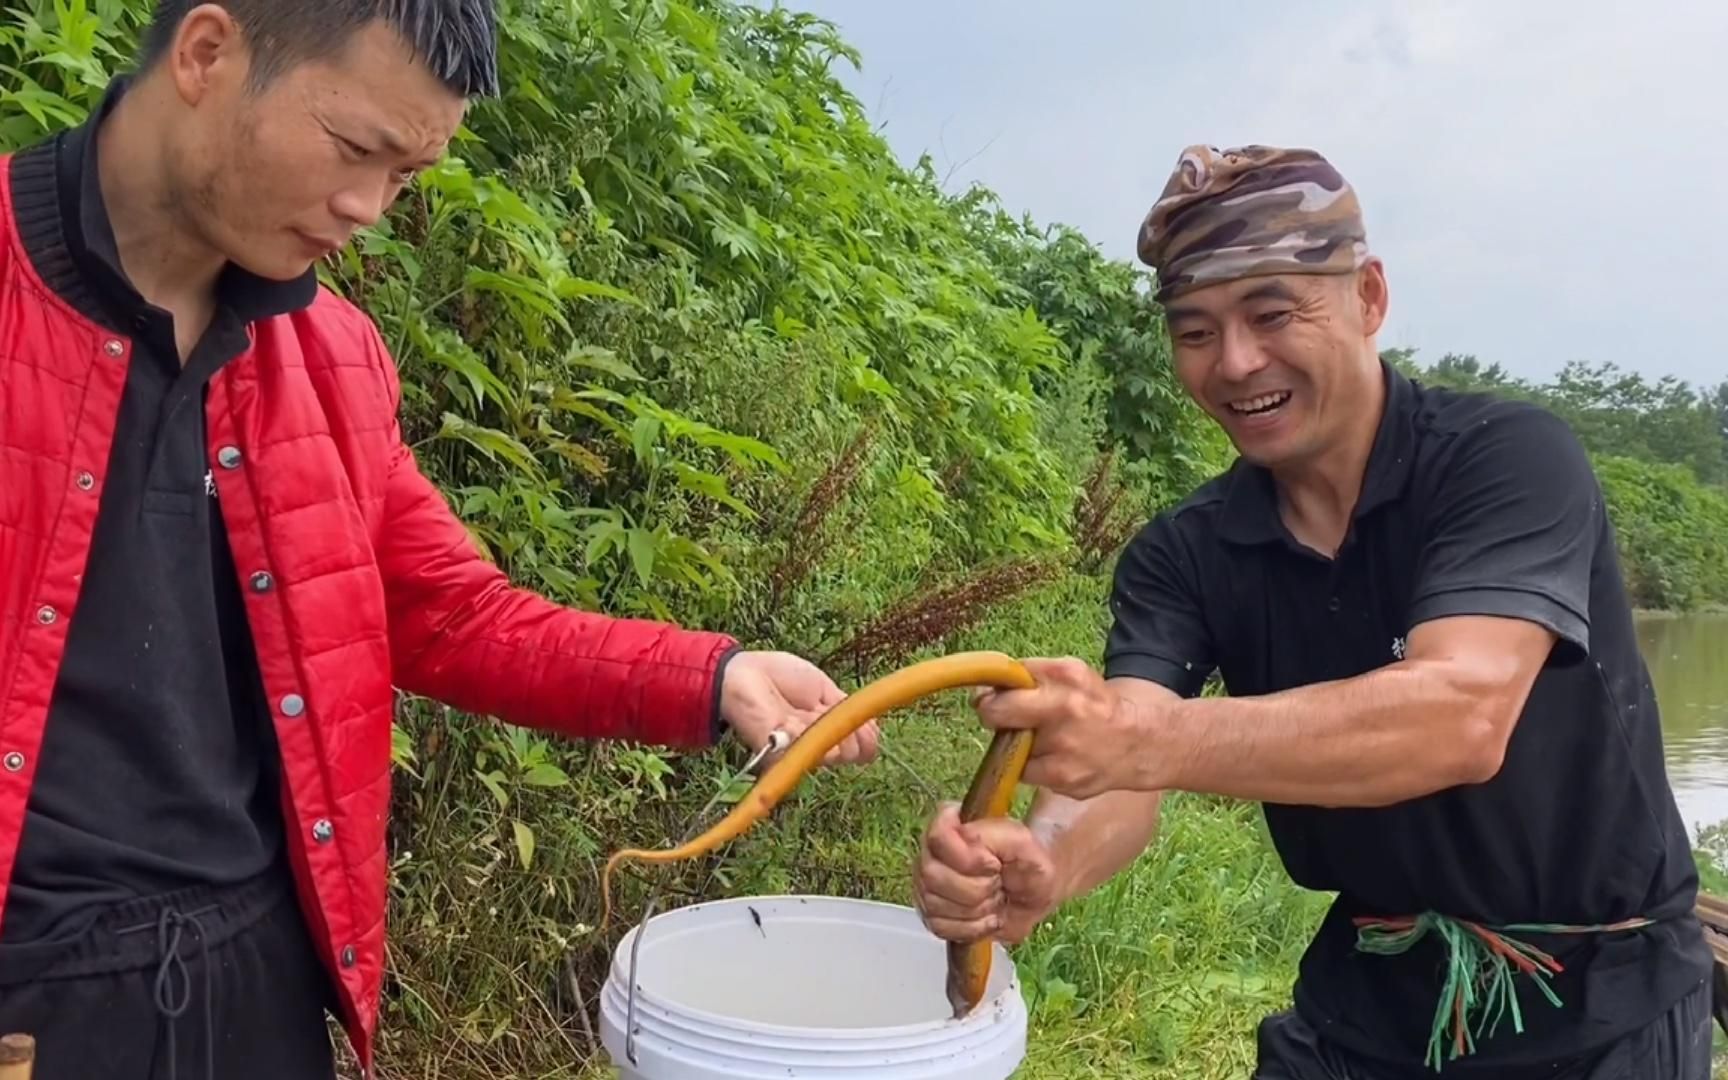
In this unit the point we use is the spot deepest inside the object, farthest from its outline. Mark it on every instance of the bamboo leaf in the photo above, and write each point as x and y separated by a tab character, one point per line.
519	289
644	434
570	288
573	402
593	356
494	782
545	774
581	457
524	842
493	443
602	538
710	486
643	547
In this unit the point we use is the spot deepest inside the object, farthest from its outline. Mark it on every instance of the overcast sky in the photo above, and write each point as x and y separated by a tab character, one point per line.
1546	180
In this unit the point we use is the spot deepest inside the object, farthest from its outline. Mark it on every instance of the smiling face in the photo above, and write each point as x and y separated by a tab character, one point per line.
275	178
1283	363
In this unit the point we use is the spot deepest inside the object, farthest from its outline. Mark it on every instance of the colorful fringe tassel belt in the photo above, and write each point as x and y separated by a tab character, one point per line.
1482	963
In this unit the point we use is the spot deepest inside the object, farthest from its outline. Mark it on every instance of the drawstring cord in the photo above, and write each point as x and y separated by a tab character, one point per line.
170	926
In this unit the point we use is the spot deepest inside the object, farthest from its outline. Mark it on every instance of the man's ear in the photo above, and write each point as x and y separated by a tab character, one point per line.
208	54
1372	296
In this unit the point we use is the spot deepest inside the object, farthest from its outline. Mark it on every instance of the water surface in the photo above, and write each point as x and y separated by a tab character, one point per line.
1688	660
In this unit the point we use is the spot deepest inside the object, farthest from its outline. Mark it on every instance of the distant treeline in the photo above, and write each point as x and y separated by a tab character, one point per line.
1661	452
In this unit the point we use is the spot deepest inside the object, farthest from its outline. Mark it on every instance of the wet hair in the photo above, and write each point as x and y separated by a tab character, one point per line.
455	39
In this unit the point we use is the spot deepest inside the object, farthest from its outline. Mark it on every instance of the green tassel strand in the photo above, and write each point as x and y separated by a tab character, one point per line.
1482	965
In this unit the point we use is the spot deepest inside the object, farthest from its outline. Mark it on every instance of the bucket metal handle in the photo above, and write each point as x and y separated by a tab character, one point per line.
777	741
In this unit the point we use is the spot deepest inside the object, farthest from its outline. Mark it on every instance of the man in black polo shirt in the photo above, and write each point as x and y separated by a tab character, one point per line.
1413	600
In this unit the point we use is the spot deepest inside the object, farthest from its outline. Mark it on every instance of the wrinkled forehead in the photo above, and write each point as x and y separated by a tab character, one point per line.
378	82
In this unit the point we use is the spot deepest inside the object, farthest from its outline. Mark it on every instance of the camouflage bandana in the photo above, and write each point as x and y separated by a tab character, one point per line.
1248	212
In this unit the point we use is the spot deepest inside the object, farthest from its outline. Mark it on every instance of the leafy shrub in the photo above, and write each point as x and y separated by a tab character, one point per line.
1672	532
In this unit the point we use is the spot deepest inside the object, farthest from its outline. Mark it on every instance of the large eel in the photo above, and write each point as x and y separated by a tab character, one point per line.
990	795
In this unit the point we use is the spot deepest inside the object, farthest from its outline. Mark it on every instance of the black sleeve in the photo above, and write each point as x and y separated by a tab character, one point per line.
1157	631
1512	528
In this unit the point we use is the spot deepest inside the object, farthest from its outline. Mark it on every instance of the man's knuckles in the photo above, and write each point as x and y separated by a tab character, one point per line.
954	850
945	884
1067	671
950	855
1032	873
964	931
1006	839
940	907
1063	775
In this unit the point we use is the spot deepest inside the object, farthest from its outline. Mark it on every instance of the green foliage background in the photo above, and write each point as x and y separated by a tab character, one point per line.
681	338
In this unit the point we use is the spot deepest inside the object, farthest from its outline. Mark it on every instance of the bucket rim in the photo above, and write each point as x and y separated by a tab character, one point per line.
618	977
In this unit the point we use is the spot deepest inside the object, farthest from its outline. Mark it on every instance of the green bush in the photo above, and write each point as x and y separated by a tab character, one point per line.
1672	532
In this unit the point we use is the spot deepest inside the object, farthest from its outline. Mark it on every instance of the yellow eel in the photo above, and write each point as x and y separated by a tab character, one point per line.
990	795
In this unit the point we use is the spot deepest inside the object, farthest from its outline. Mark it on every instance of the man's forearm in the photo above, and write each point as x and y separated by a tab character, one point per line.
1091	840
529	661
1393	734
462	634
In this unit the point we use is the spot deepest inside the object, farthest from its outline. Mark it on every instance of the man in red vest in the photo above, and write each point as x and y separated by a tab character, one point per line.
218	558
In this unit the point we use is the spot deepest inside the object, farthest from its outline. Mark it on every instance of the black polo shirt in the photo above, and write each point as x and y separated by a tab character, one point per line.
1470	505
157	769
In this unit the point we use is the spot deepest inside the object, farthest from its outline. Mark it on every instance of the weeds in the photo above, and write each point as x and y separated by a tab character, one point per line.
808	542
1102	524
935	615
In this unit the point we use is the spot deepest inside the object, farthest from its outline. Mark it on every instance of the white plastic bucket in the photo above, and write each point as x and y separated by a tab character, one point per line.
803	986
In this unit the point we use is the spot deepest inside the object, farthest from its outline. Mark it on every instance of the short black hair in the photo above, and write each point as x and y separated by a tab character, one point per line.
456	39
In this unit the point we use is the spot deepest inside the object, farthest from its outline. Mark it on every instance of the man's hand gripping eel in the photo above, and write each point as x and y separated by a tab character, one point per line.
990	795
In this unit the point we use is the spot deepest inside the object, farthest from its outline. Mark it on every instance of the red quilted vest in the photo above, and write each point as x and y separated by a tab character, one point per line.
377	582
